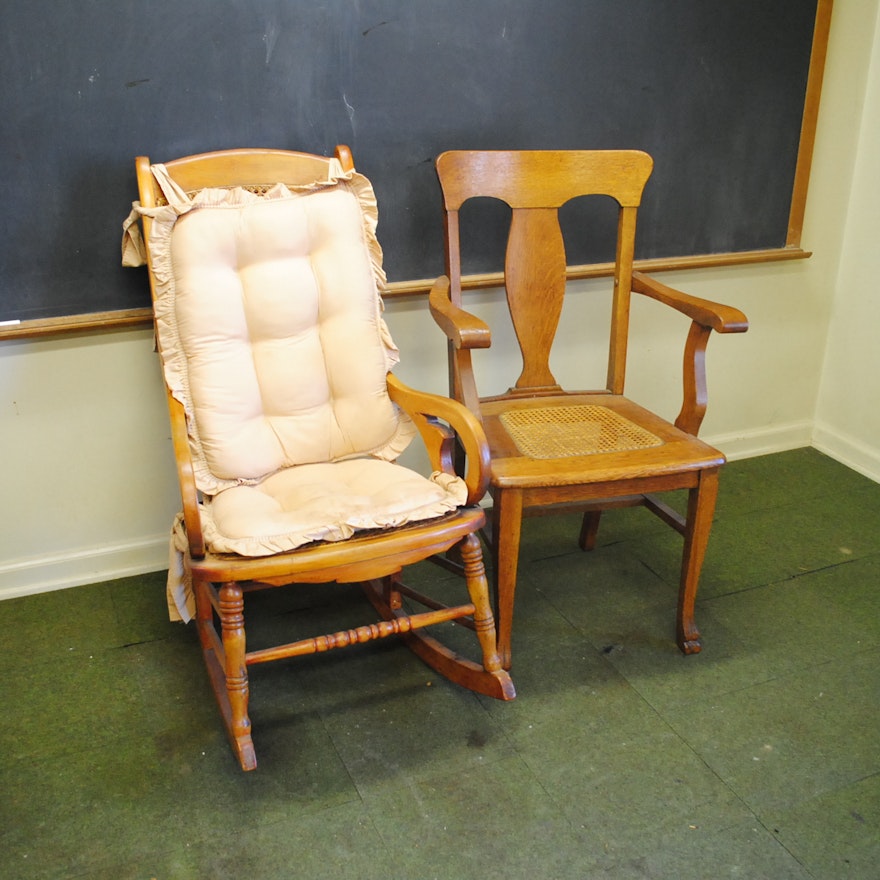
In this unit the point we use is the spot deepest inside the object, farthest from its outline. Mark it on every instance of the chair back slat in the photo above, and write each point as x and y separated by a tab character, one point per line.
543	178
535	290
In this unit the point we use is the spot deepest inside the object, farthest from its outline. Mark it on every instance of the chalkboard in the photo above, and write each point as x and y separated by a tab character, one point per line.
713	89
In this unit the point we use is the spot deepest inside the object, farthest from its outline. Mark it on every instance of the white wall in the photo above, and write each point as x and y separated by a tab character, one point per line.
88	485
848	413
88	482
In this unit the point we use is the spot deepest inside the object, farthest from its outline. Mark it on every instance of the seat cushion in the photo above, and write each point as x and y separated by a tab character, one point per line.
324	502
270	327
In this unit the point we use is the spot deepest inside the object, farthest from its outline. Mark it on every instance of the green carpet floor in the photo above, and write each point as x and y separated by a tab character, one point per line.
620	758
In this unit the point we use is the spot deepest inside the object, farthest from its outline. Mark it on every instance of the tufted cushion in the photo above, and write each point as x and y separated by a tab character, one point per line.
271	332
269	322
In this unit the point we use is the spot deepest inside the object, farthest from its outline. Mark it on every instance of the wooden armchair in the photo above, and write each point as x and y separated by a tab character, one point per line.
287	421
552	449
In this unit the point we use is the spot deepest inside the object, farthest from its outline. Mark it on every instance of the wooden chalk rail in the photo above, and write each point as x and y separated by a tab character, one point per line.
602	270
98	321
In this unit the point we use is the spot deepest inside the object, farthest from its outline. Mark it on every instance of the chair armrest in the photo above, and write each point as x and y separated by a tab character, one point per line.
425	409
186	477
722	319
462	328
705	317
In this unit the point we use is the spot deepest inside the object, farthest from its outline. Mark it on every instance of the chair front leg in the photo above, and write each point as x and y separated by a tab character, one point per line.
238	724
506	530
471	554
701	509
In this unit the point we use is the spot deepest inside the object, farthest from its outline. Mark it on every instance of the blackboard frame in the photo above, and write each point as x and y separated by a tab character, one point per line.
792	250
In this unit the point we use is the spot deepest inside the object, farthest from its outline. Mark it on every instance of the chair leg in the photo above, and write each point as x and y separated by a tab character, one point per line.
589	530
487	678
701	509
224	659
478	589
229	675
506	530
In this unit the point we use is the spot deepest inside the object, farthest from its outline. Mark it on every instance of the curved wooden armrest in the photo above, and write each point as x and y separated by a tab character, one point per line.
425	409
188	491
462	328
721	318
705	316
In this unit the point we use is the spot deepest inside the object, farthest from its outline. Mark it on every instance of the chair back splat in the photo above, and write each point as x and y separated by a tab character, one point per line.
555	450
287	419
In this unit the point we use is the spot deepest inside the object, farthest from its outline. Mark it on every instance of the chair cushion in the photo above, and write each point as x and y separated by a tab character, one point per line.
324	502
269	322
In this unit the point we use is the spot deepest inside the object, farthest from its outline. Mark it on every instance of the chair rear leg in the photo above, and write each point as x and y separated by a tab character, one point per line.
589	530
701	509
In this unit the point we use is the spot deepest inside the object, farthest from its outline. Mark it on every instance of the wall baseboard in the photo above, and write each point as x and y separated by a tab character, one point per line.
40	574
751	444
847	450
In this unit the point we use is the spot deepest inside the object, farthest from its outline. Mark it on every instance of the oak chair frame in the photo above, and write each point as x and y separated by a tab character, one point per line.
535	184
373	559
